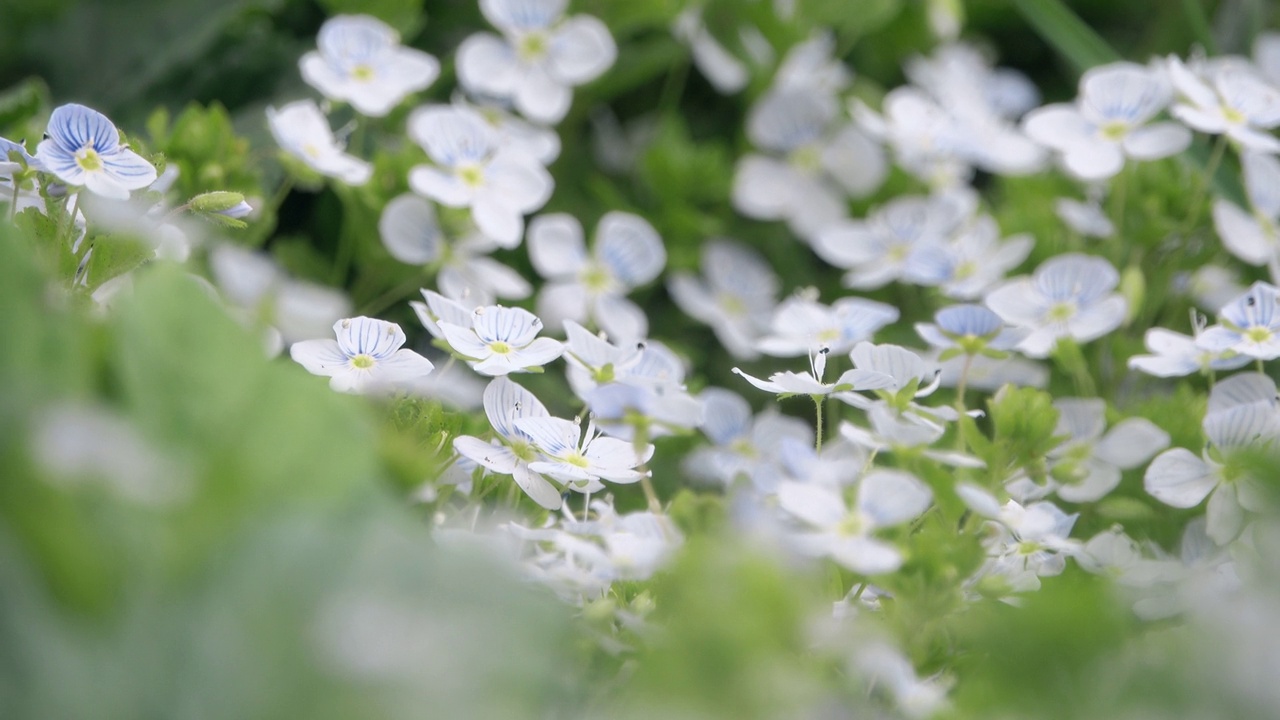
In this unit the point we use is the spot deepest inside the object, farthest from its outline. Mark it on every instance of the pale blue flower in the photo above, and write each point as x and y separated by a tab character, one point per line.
1068	296
366	357
82	148
1249	325
360	60
970	329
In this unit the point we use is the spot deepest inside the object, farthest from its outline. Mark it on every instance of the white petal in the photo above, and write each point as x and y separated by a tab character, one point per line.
818	505
1157	141
1241	233
629	246
1060	127
554	436
537	487
319	357
409	230
541	98
129	169
891	497
1131	442
622	320
581	50
1096	160
1179	478
866	555
1224	516
494	457
497	220
1098	319
443	187
487	65
464	341
856	161
556	246
505	401
401	366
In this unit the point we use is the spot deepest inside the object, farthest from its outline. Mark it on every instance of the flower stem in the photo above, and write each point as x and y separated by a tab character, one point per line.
817	404
639	442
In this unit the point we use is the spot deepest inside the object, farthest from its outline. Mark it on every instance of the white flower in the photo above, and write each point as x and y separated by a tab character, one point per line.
534	140
1175	355
1242	416
296	309
735	295
1088	464
626	253
82	148
885	498
360	60
1068	296
650	388
811	383
576	457
816	161
969	329
1227	97
971	262
501	340
539	58
803	326
302	131
742	443
473	169
897	241
1028	543
504	403
1249	325
366	357
1253	237
1108	121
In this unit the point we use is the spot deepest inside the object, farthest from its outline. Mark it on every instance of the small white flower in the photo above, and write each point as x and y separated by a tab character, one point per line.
1028	543
1088	464
742	443
811	383
1249	325
366	357
1242	417
816	161
540	57
626	253
885	498
576	457
504	403
473	169
1085	218
302	131
360	61
803	326
1253	237
501	340
1176	355
726	73
1109	121
1068	296
971	262
1227	97
735	295
82	148
899	240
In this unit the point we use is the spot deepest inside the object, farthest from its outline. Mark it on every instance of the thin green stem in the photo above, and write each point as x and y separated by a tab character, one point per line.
817	404
641	443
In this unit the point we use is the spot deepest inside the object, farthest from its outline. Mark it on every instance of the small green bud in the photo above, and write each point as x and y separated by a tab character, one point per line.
216	202
1133	285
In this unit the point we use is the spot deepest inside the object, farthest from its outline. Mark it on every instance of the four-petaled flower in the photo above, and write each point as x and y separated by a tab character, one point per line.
501	340
539	58
302	130
360	60
82	147
366	357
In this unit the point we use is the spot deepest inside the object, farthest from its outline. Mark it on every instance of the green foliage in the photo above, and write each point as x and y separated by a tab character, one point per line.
1023	421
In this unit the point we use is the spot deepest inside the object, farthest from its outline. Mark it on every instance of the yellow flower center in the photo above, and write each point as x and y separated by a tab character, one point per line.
1233	115
1114	130
362	72
1062	312
500	347
532	47
806	159
88	159
596	279
576	459
362	361
966	269
471	175
1258	334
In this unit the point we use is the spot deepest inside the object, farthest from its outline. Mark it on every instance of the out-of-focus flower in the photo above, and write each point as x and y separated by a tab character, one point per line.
360	61
302	130
1068	296
1109	121
1249	325
538	60
735	295
473	169
1227	97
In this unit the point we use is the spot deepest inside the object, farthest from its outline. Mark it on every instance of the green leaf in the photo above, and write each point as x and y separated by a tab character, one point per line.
115	255
1067	33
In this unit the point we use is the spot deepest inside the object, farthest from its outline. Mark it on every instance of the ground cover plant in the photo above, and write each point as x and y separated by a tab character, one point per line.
549	359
